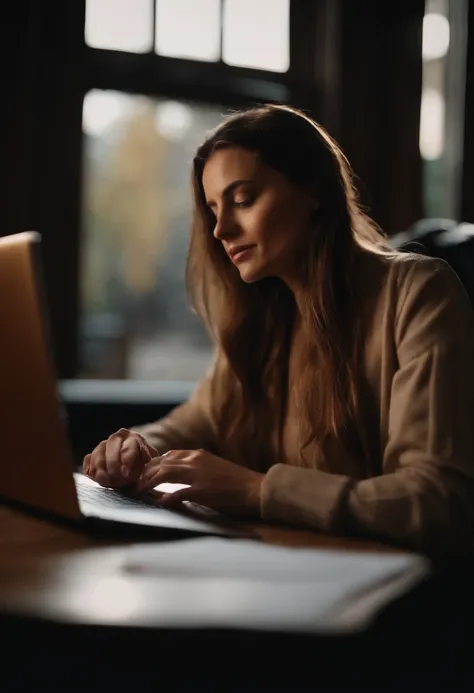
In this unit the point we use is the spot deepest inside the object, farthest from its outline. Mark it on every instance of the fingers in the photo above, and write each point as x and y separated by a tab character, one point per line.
149	449
152	476
174	466
160	470
113	457
86	463
133	457
119	460
125	455
96	468
182	494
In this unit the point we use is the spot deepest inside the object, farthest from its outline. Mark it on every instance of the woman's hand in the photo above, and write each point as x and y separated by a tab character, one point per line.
119	460
211	480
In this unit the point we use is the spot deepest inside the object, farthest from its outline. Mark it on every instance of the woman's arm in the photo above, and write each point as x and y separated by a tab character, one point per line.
425	498
188	426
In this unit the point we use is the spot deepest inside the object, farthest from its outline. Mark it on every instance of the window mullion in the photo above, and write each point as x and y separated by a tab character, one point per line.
221	33
153	26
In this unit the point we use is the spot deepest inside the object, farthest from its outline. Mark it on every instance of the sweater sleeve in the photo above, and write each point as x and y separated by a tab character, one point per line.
189	425
424	499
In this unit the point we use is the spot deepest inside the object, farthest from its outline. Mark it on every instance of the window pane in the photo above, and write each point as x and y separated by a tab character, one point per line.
122	25
137	201
256	34
442	105
188	29
432	124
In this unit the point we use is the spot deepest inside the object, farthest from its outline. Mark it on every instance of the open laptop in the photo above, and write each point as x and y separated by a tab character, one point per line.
36	464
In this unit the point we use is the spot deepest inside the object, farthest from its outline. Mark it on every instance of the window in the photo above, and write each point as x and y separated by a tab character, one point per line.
442	105
250	39
135	319
124	25
188	29
141	125
237	31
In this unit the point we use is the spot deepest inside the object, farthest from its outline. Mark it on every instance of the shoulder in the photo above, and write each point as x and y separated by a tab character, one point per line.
424	282
401	277
412	270
397	266
421	301
433	309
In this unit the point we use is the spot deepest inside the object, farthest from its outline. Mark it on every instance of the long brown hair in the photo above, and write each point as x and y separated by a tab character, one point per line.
251	324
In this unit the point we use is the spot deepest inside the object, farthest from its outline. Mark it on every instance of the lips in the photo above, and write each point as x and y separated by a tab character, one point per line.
238	251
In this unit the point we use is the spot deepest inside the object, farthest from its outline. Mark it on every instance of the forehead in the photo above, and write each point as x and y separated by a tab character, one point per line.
227	165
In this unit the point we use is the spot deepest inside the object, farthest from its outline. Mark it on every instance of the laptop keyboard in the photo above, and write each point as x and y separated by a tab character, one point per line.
108	498
191	517
98	497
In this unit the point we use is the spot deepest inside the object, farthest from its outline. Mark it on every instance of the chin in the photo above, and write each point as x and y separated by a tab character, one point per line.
250	275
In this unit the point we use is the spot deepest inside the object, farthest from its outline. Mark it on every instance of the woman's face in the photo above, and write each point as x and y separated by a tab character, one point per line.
261	218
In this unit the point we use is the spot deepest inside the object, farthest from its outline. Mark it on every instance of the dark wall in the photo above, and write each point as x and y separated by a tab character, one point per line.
381	81
40	141
89	422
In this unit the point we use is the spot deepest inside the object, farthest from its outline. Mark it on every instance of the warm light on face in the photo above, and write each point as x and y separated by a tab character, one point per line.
255	205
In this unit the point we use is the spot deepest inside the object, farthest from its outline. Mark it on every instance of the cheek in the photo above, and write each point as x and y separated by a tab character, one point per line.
278	227
270	222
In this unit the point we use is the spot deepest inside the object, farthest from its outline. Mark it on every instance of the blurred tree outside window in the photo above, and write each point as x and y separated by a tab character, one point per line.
136	322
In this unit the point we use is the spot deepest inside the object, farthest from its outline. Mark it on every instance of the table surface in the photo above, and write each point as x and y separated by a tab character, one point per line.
51	572
72	590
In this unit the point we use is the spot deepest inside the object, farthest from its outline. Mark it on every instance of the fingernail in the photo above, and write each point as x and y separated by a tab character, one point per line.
125	471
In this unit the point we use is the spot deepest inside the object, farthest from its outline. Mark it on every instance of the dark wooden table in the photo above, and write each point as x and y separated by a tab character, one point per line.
65	606
56	573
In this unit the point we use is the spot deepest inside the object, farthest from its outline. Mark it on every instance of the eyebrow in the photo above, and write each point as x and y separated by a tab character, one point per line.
230	188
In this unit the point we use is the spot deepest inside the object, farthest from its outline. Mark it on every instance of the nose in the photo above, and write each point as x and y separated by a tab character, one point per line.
225	228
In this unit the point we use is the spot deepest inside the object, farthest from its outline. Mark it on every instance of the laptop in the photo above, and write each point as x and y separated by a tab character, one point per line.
37	471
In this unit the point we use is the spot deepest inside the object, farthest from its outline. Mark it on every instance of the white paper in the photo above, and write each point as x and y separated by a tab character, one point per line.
243	583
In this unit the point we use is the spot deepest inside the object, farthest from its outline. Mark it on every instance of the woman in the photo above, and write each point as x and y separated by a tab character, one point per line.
342	390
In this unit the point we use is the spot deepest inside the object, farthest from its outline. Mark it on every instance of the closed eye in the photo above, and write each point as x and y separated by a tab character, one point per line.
243	203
